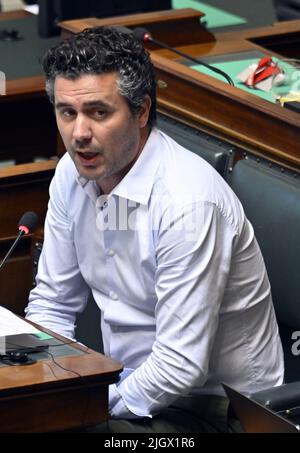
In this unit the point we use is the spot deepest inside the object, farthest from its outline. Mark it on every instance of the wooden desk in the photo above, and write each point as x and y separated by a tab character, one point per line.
213	106
44	397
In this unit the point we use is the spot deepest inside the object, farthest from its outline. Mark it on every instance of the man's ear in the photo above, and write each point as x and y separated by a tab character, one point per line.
143	114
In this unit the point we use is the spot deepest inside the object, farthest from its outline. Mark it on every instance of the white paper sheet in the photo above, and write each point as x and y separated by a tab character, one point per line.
10	324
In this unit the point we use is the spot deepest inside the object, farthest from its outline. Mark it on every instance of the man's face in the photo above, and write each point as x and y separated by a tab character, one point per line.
98	129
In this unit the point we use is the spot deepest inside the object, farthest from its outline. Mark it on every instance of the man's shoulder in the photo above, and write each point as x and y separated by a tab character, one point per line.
185	178
185	173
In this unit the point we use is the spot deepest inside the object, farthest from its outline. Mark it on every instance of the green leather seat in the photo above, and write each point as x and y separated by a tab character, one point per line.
271	199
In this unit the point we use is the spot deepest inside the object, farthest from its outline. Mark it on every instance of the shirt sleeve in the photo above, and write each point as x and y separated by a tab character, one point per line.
60	291
193	253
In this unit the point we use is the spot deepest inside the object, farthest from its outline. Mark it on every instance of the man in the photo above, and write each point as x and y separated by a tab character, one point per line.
160	239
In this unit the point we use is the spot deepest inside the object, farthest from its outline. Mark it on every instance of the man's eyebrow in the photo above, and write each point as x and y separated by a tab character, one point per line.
59	105
95	103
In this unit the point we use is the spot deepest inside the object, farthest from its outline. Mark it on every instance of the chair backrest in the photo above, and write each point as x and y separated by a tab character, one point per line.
271	199
88	326
214	151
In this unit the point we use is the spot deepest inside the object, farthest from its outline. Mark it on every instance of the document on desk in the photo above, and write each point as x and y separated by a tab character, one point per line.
11	324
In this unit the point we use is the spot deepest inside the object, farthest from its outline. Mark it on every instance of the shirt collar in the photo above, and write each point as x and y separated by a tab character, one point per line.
138	182
90	187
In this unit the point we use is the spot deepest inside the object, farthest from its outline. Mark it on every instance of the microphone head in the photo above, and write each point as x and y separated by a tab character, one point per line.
28	222
142	34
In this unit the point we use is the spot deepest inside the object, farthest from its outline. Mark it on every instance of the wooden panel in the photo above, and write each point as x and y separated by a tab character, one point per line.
12	15
20	192
21	88
22	188
172	26
50	411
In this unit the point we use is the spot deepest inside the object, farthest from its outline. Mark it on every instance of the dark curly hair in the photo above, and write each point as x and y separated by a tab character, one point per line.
105	49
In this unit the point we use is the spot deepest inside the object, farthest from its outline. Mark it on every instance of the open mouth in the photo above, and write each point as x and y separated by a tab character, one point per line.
86	155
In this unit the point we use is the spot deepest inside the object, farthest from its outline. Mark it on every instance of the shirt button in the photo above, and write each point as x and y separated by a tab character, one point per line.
103	206
113	295
111	252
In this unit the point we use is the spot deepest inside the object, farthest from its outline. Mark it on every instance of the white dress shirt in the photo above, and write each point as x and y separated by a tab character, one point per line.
176	272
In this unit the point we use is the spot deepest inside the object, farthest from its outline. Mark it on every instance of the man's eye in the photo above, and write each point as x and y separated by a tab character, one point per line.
99	113
68	113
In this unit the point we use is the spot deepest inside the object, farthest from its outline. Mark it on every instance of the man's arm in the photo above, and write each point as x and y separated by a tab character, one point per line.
193	262
60	291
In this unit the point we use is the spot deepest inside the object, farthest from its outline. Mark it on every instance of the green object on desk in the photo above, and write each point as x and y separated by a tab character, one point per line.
43	336
232	68
214	17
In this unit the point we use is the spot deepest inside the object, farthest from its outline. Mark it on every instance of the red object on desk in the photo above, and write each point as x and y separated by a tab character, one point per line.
266	67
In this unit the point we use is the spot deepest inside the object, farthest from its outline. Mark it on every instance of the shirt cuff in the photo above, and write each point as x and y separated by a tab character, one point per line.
117	406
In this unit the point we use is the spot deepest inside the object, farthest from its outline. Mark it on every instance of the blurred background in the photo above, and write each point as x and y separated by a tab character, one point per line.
245	8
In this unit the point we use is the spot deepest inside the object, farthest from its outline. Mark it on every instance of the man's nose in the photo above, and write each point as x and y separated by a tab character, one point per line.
82	128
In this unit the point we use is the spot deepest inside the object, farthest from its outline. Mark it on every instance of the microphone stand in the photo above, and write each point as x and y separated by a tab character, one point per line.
195	60
20	234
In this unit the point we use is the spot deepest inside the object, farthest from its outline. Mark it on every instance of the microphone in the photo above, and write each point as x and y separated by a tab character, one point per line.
27	223
143	35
